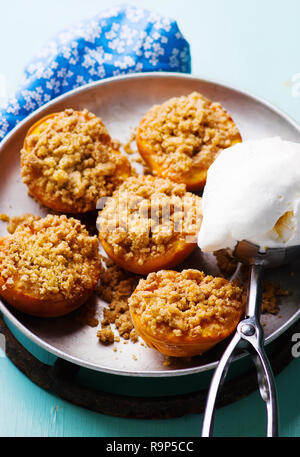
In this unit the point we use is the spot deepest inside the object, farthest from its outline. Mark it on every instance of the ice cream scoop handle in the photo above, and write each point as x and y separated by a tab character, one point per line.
252	338
216	384
249	337
255	288
267	390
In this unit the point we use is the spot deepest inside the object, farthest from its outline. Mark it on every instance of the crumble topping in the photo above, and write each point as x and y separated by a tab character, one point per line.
147	216
128	146
72	159
106	335
14	222
227	263
50	256
187	131
271	293
4	217
115	287
186	303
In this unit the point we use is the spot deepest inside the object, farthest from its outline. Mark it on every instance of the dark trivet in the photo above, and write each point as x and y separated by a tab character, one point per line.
60	379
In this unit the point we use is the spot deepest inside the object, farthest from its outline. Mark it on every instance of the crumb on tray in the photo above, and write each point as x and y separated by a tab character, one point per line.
116	286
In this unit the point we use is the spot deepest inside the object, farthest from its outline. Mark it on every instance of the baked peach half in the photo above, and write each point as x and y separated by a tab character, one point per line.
49	266
183	314
176	255
149	224
181	138
68	161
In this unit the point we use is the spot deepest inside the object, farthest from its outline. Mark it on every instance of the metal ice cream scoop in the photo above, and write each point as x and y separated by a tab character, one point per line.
249	334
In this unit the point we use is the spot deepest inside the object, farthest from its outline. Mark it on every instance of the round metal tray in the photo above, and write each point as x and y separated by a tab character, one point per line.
121	102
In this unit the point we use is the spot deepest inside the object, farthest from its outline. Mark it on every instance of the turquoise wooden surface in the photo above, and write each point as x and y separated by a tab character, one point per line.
250	44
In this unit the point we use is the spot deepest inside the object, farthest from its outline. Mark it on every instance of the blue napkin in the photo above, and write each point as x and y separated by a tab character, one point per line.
123	39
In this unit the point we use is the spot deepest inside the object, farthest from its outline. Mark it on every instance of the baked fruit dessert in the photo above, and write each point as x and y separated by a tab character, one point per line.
68	161
49	266
181	138
149	224
185	313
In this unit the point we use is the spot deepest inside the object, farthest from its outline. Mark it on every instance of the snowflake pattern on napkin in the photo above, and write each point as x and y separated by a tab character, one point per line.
124	39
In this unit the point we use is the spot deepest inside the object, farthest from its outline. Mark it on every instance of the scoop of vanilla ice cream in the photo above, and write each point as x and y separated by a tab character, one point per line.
252	193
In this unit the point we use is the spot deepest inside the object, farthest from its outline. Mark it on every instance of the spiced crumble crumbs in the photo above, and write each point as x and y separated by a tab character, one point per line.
115	287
